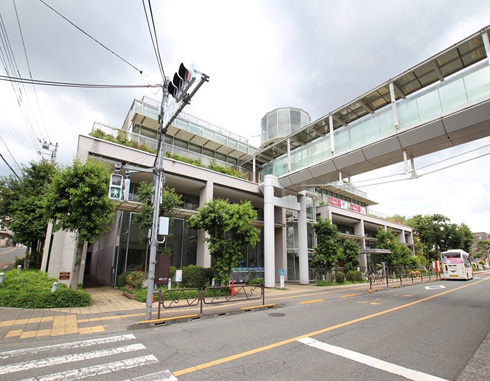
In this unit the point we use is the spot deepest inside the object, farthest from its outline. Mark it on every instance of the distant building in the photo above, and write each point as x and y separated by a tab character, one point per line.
479	236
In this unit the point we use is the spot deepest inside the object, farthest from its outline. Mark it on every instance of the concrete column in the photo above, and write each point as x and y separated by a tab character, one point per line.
203	258
269	236
303	240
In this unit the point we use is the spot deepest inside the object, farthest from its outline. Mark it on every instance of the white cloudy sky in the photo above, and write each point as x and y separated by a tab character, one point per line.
260	55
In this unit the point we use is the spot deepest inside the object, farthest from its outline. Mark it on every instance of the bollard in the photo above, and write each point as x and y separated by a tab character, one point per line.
54	287
18	269
169	286
2	275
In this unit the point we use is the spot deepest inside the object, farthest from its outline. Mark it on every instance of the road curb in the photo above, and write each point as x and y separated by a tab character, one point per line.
187	318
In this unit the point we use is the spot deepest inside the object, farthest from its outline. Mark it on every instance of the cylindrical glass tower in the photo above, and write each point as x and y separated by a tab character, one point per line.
281	122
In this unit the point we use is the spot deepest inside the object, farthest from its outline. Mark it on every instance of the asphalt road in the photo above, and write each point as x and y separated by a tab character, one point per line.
8	255
423	332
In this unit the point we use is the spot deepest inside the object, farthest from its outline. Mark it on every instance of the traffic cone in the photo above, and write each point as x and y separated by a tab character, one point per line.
232	287
153	298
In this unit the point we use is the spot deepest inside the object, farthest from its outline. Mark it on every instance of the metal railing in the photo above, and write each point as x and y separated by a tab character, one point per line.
193	297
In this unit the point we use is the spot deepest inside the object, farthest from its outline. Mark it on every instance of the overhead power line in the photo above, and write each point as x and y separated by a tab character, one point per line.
88	35
70	84
154	40
6	162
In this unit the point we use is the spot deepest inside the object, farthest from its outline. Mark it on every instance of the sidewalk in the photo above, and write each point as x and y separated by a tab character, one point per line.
113	312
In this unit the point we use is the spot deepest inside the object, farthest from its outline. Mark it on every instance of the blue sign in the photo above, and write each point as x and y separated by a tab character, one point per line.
281	272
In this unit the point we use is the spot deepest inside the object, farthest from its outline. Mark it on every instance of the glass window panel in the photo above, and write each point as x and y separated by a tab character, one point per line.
452	93
208	152
189	245
194	148
356	134
221	139
341	139
429	104
477	82
231	160
242	147
305	118
232	143
272	125
283	122
407	111
386	121
180	143
281	166
371	128
174	242
295	120
220	156
149	133
209	134
195	129
183	124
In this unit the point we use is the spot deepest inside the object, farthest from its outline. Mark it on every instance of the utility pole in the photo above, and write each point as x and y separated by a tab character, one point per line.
158	180
178	88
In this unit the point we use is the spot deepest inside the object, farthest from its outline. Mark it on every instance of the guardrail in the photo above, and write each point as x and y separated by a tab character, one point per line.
401	277
193	297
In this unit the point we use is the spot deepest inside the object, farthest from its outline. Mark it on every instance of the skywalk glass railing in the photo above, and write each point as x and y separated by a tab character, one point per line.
456	92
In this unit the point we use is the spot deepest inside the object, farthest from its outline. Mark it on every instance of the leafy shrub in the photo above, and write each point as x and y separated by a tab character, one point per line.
339	277
194	276
32	289
135	279
324	283
353	276
121	279
258	281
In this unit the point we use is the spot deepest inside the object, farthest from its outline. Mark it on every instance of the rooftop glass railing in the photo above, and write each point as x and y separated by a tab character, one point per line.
454	93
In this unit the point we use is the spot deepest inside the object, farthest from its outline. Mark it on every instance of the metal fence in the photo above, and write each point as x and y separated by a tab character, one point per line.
193	297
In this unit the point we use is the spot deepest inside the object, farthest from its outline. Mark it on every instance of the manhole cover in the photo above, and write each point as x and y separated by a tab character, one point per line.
277	314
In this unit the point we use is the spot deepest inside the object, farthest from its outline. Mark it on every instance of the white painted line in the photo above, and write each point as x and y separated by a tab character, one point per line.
436	287
65	346
97	370
26	365
165	375
370	361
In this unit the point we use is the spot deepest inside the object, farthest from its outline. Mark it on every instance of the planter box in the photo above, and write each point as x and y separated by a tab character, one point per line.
128	295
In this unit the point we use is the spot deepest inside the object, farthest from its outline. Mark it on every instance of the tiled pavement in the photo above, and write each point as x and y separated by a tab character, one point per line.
110	312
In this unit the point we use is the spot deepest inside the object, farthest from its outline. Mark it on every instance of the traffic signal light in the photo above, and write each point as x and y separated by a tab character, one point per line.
116	187
182	81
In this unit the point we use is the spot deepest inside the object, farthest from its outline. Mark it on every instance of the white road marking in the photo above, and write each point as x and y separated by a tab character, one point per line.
68	358
436	287
65	346
159	376
97	370
370	361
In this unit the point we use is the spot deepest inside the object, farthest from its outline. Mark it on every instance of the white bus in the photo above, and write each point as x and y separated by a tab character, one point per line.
456	264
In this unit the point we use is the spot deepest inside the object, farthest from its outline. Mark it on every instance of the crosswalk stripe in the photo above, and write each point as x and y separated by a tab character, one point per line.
68	358
97	370
370	361
164	375
65	346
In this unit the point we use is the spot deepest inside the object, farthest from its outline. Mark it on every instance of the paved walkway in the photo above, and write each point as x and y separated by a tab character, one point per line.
112	312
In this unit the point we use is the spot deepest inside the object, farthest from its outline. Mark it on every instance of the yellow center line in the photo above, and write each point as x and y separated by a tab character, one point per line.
312	301
349	295
314	333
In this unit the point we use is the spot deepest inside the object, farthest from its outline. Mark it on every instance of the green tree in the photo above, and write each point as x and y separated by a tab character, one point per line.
21	206
229	227
77	201
483	249
400	254
350	253
437	234
168	205
328	250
